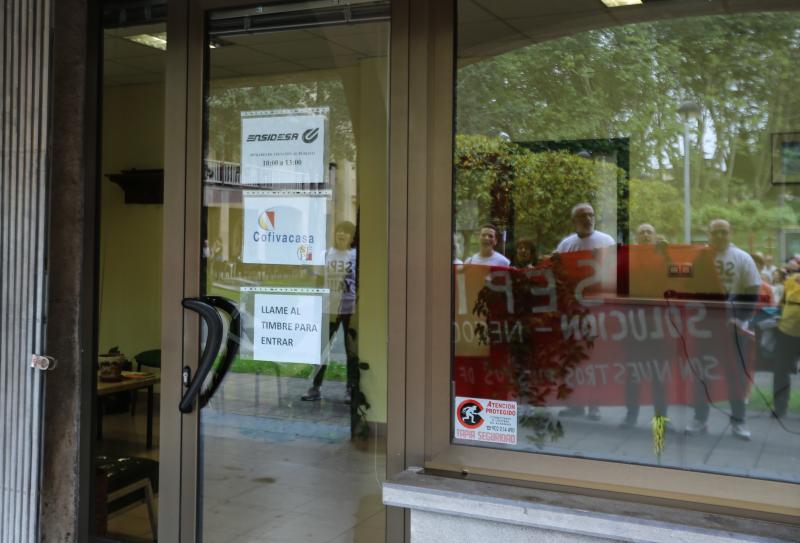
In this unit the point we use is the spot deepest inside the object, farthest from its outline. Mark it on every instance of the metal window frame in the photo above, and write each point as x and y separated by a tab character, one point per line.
428	334
186	22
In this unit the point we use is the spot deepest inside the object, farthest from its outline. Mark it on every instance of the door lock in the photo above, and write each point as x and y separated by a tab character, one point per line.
43	362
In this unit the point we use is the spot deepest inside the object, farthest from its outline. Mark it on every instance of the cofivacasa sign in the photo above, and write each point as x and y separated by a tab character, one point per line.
284	227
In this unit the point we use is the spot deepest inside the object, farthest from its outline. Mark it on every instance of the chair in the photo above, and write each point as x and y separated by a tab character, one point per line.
151	359
122	484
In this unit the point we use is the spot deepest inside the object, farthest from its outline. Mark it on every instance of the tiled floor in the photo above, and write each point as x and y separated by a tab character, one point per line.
281	470
275	468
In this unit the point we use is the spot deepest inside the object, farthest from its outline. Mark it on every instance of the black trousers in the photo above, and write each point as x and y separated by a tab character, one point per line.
787	351
658	391
736	378
349	348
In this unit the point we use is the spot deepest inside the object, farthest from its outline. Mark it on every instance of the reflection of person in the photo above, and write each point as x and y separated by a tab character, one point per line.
526	254
778	277
740	280
645	235
787	345
769	267
340	279
585	238
217	264
487	256
457	244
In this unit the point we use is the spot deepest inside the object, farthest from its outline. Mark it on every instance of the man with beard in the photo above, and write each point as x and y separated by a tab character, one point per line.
585	238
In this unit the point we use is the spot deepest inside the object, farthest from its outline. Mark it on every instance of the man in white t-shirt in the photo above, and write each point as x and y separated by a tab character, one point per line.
740	279
585	238
487	256
769	268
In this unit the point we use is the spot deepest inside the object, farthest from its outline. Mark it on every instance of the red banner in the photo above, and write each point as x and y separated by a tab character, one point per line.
585	328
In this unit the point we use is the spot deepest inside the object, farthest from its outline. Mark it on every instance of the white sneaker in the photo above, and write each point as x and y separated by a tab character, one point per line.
697	427
740	431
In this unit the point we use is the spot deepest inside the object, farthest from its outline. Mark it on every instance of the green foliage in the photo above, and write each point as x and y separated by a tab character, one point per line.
542	186
752	223
657	203
335	371
627	81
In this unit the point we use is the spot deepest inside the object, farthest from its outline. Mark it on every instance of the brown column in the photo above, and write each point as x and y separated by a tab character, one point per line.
66	478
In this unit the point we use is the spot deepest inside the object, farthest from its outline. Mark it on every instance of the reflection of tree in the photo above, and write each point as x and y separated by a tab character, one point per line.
536	363
541	187
628	80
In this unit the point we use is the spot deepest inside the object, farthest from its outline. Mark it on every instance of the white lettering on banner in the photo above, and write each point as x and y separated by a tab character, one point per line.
481	419
639	324
284	146
284	228
287	327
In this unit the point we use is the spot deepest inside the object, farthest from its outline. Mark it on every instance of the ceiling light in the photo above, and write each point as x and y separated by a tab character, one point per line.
156	41
620	3
215	43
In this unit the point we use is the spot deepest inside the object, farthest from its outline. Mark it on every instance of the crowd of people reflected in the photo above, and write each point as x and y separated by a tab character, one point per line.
594	324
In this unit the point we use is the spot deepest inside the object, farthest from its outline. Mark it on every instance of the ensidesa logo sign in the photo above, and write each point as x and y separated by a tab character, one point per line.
284	227
284	146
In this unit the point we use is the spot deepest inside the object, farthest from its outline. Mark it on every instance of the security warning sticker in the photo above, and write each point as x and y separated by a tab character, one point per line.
489	421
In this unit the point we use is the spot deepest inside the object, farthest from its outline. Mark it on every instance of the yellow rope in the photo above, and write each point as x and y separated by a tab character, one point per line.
659	431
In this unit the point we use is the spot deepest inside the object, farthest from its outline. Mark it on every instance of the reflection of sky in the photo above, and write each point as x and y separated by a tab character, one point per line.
708	148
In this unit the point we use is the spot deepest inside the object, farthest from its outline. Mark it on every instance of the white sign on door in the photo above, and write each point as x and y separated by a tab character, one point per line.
286	146
286	228
287	324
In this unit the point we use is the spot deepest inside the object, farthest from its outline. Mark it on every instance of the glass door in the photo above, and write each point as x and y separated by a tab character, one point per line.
286	219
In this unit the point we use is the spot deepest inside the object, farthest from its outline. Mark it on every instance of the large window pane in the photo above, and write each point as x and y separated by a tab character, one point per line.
625	234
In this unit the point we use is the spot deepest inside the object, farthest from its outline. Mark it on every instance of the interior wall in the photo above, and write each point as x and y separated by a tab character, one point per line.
372	171
130	234
130	245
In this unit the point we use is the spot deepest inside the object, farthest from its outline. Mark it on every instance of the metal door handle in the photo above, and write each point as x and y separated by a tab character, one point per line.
207	307
231	346
213	342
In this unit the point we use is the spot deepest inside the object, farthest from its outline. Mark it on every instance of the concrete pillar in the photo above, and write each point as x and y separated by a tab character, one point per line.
66	478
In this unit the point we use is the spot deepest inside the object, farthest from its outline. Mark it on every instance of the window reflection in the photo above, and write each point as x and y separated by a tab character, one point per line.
611	319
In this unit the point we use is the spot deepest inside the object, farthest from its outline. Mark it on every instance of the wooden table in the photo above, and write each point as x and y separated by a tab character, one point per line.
105	388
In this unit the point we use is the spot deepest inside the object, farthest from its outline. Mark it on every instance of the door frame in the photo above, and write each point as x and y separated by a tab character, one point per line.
179	469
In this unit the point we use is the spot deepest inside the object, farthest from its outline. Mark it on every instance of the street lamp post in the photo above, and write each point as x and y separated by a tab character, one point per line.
688	110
